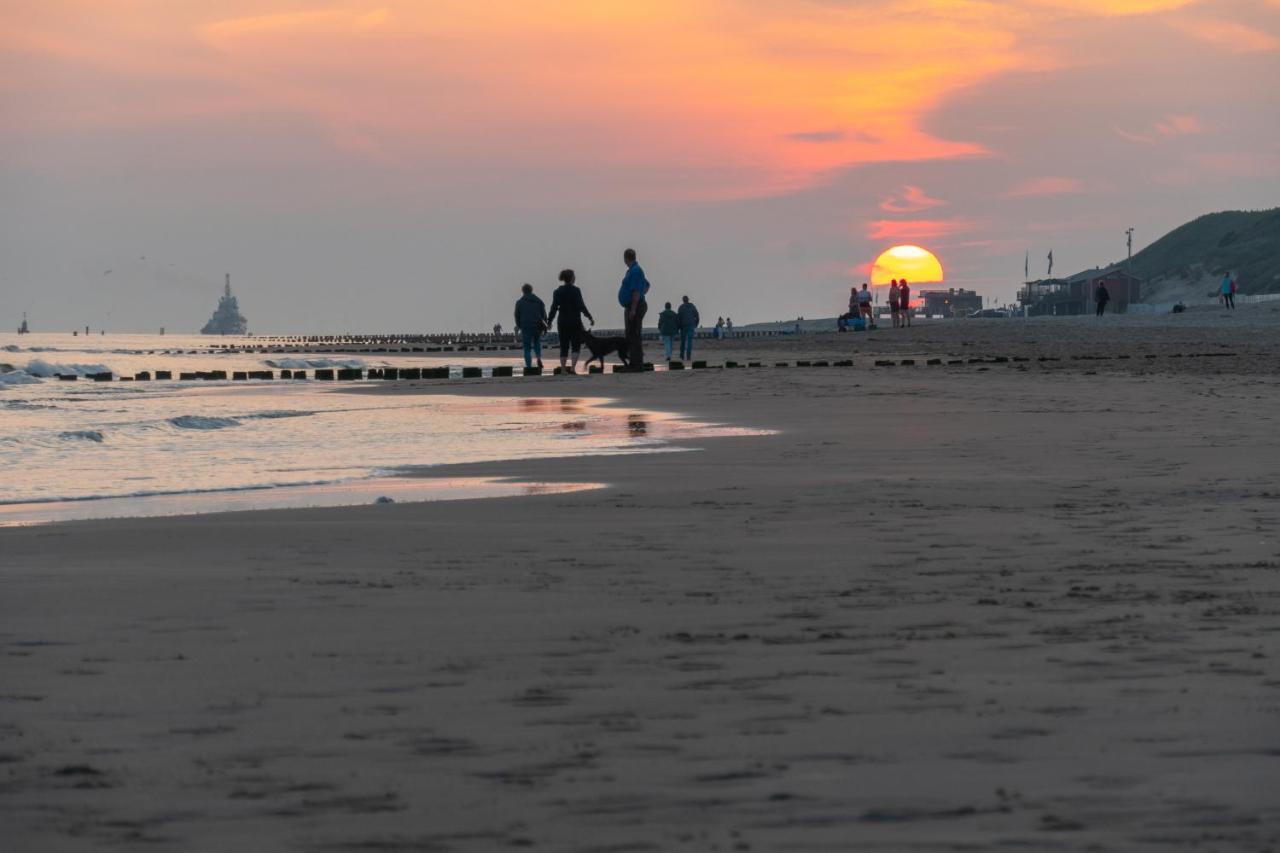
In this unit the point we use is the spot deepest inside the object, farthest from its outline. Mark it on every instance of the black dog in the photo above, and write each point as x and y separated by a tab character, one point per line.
600	347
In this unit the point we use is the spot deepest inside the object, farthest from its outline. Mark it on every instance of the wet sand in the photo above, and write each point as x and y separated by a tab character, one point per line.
974	607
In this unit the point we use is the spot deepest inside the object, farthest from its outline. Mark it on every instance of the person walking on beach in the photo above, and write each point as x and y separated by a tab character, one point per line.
904	302
1228	291
728	327
669	329
631	297
864	306
1102	296
893	302
531	320
719	328
568	304
689	320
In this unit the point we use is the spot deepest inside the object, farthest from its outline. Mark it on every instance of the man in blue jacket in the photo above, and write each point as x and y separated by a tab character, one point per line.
631	298
531	320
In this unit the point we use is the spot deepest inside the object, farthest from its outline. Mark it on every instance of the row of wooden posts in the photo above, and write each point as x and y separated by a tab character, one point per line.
352	374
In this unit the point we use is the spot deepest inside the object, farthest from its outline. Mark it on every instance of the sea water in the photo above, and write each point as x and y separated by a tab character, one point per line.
86	449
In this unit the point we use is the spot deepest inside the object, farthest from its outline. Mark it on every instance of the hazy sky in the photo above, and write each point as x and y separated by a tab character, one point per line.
392	165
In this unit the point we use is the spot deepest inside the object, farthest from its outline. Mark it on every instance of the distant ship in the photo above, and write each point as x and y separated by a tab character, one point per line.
24	329
227	319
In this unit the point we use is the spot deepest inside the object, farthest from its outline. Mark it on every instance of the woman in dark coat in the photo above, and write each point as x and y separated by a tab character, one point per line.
568	309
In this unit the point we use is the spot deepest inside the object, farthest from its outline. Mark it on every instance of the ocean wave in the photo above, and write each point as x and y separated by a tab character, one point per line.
304	363
17	377
284	413
42	368
157	493
202	422
83	434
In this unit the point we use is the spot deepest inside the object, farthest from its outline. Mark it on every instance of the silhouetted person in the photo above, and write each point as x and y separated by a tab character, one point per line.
668	329
864	306
567	302
1102	296
904	301
631	297
689	320
531	320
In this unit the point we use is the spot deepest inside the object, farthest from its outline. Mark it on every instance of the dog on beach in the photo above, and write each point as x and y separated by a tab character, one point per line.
601	347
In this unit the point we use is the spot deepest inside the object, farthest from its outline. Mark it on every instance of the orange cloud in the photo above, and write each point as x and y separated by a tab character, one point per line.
662	98
909	199
915	229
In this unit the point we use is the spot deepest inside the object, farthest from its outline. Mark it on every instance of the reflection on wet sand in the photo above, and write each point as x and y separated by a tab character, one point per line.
381	490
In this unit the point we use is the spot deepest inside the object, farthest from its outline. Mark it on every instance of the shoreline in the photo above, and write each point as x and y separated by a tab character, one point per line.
938	608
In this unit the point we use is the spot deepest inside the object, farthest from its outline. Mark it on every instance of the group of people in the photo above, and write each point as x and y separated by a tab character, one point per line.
680	324
568	308
861	312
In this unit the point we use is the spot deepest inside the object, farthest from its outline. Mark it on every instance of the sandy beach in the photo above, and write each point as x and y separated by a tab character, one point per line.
992	605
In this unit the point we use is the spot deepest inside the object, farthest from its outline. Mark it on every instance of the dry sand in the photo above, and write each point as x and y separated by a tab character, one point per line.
1018	605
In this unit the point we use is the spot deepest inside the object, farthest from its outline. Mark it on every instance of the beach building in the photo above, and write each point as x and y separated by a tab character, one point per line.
950	302
1074	294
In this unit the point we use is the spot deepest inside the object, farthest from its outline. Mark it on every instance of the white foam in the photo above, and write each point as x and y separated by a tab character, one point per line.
40	367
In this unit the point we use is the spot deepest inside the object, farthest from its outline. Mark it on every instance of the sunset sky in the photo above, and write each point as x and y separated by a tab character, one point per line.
405	166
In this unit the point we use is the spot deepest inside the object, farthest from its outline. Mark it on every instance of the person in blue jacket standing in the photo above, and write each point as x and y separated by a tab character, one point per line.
631	297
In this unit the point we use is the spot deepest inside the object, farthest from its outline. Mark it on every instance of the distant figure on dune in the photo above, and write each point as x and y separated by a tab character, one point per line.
631	297
689	320
864	306
1228	291
531	320
893	302
904	301
567	302
1102	296
668	329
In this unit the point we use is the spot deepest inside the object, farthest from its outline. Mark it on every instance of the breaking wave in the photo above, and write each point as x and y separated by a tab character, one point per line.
42	368
83	434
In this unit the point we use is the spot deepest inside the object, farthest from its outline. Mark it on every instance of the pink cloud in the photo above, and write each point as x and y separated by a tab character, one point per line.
915	229
1171	126
1234	37
909	199
1045	186
1179	126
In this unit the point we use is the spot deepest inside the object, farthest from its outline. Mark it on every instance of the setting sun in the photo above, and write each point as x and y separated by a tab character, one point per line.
916	265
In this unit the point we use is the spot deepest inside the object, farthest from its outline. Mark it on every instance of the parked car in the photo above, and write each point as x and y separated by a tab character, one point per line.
991	313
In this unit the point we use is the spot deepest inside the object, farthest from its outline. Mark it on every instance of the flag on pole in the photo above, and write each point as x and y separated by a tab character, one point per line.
1050	263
